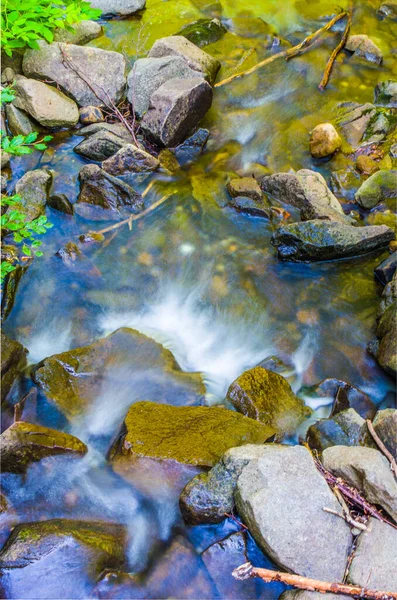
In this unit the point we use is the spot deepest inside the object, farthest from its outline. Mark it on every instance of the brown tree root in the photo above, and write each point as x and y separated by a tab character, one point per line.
246	571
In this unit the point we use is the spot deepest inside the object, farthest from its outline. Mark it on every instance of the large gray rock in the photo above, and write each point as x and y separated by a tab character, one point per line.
367	470
176	108
346	428
104	71
13	359
103	196
364	49
18	121
148	74
327	240
100	146
33	188
130	159
374	564
118	8
82	33
385	425
197	59
114	128
308	191
281	497
44	103
378	187
353	119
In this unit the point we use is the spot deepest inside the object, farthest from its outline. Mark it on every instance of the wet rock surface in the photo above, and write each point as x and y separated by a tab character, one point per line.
249	206
245	186
344	396
378	187
346	428
386	93
119	8
130	159
353	120
100	145
364	48
324	140
203	32
18	121
33	189
24	443
13	359
386	270
61	203
385	425
326	240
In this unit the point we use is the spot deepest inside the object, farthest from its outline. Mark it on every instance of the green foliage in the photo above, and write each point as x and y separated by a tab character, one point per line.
23	22
23	144
7	95
16	227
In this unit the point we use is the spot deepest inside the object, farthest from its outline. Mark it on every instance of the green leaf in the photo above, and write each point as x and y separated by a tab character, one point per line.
31	137
47	138
40	147
26	250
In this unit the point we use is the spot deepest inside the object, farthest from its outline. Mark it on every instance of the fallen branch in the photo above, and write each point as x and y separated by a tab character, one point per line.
382	447
246	571
287	54
346	517
334	54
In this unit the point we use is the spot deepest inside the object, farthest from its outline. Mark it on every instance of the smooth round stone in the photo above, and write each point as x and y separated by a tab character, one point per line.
90	114
324	140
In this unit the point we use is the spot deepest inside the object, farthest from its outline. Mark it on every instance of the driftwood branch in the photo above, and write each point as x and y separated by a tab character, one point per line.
382	447
287	54
246	571
334	54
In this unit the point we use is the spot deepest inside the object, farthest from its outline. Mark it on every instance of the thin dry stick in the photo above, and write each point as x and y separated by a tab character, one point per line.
346	511
287	54
382	447
334	54
246	571
133	218
346	517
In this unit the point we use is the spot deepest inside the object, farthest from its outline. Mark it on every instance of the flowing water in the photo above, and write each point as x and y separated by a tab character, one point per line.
193	274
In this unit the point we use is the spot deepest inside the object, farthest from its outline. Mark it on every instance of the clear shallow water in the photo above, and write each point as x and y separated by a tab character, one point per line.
197	277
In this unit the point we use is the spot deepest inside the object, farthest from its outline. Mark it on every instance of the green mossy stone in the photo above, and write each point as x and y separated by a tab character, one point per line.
267	397
380	186
13	359
203	32
24	443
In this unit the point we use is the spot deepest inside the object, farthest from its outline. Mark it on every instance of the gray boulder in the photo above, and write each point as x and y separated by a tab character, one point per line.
281	497
103	196
364	49
148	74
44	103
175	109
385	425
100	146
114	128
386	93
374	564
103	70
387	268
367	470
386	331
197	59
118	8
353	119
327	240
82	33
346	428
308	191
378	187
18	121
33	188
130	159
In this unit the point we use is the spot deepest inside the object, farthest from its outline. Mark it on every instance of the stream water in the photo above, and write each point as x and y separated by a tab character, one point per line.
196	276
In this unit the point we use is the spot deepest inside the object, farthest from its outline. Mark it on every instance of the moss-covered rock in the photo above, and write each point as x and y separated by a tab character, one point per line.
33	188
386	93
380	186
346	428
267	397
10	287
159	442
245	186
203	32
59	554
13	359
74	379
387	334
24	443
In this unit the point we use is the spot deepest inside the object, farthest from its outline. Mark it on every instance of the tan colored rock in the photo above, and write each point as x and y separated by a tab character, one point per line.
324	140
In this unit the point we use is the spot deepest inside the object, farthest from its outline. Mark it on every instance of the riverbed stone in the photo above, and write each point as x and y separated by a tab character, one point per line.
245	186
130	159
163	444
104	197
18	121
197	59
99	146
267	397
374	564
114	128
203	31
175	109
46	104
378	187
118	8
388	9
116	357
13	359
148	74
248	206
364	49
327	240
368	471
308	191
83	32
344	396
353	119
33	188
385	425
104	69
346	428
365	164
386	331
90	114
385	271
324	140
386	93
192	147
61	203
389	295
79	549
281	498
24	443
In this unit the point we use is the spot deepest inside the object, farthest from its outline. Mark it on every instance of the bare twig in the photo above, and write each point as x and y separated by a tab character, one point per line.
382	447
287	54
231	516
346	517
334	54
246	571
